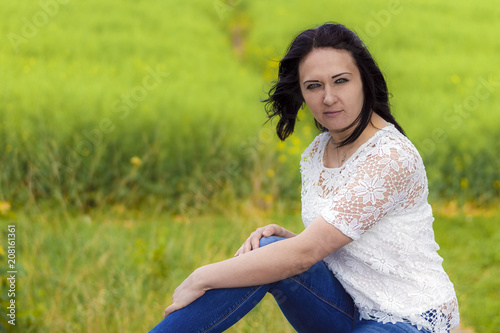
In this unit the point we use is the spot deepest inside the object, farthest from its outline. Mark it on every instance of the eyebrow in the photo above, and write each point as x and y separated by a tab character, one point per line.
333	77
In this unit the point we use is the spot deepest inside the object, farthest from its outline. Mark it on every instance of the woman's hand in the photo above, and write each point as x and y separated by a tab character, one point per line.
195	285
253	241
186	293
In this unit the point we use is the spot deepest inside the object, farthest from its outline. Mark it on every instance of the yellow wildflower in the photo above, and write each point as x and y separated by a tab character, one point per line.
136	161
268	198
464	183
270	173
455	79
307	130
4	207
296	141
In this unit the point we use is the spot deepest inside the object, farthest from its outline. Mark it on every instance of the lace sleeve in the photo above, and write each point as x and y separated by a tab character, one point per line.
389	178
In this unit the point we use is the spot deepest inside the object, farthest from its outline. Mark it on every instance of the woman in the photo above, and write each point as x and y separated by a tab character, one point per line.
367	260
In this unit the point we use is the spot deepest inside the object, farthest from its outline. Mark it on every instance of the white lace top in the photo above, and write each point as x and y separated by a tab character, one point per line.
378	198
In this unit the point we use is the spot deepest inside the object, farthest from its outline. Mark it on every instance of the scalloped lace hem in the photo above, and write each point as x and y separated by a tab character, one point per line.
429	320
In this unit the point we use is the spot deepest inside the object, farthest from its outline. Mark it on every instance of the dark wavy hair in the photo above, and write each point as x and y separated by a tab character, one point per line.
285	98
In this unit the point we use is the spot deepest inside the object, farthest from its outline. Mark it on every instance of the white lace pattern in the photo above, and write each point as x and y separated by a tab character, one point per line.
378	198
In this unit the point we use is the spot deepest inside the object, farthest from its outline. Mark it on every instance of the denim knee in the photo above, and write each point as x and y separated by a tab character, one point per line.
268	240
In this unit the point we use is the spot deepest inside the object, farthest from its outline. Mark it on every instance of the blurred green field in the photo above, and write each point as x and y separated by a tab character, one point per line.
157	103
126	127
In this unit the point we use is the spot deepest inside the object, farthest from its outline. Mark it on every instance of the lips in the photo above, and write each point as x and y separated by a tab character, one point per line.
332	113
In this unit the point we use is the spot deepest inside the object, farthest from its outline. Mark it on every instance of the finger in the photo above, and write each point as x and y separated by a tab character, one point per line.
269	231
255	242
171	308
238	252
246	247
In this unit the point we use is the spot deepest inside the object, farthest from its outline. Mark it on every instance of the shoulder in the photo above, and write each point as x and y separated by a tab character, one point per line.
311	157
392	151
391	142
316	145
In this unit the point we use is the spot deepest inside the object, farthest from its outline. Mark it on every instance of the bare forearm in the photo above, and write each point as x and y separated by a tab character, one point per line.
262	265
268	264
276	261
288	234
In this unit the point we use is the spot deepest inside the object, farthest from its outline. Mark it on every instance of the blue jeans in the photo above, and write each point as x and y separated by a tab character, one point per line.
313	301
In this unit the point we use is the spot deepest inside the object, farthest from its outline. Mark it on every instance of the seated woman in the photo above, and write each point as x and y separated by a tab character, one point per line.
366	260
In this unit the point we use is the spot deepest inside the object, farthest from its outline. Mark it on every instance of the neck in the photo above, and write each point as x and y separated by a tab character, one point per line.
376	123
337	137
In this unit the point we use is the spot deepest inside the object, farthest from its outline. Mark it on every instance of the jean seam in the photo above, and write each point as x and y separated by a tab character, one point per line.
323	299
232	311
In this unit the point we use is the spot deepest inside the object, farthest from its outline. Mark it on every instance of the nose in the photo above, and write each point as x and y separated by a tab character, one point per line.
330	98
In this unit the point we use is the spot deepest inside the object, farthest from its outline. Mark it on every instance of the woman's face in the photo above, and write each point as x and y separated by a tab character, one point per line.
331	85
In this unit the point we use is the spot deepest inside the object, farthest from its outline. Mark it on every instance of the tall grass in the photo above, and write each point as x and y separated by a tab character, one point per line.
84	122
470	248
115	270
